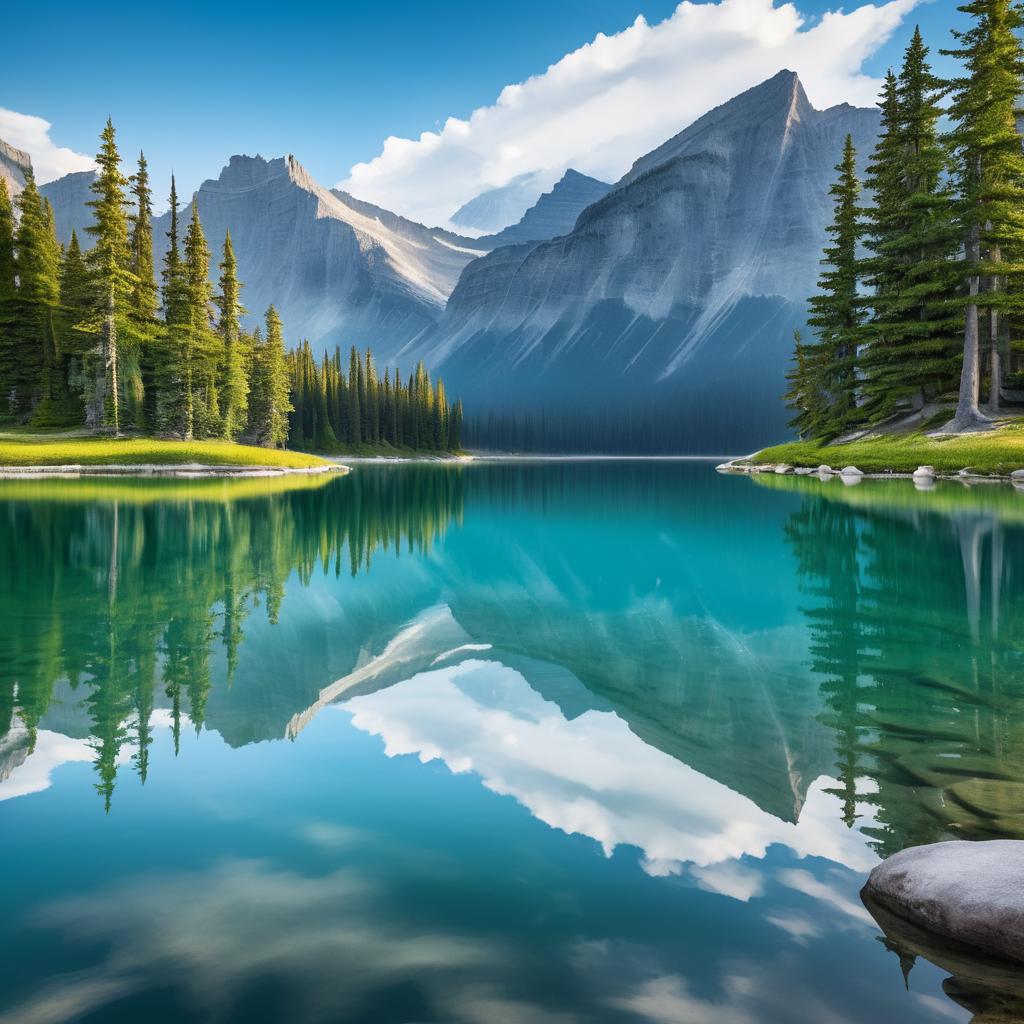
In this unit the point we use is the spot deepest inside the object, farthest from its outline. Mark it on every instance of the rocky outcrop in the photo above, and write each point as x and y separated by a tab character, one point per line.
14	163
683	285
555	213
969	893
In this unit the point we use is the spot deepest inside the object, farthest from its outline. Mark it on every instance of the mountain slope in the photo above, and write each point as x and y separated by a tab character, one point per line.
338	270
555	213
680	288
497	208
68	196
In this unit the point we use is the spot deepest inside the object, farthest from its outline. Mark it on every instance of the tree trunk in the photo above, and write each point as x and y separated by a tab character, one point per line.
968	415
110	362
995	367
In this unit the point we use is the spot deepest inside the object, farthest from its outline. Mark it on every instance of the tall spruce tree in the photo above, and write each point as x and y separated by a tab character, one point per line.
109	261
913	351
234	388
269	400
169	351
201	349
30	345
144	298
990	185
836	311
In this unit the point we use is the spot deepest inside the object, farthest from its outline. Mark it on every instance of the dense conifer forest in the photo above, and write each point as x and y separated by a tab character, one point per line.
928	275
88	339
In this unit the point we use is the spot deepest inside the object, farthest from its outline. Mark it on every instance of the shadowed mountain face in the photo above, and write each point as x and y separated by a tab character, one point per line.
683	284
498	208
555	213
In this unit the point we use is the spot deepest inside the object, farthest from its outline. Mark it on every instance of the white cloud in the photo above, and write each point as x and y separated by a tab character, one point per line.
32	134
616	98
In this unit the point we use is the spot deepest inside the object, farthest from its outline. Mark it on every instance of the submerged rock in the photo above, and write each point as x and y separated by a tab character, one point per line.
970	893
991	989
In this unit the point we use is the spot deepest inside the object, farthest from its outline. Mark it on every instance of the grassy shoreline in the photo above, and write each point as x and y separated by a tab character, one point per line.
40	450
991	453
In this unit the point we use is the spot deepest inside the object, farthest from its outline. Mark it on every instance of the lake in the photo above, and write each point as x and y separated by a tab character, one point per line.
609	741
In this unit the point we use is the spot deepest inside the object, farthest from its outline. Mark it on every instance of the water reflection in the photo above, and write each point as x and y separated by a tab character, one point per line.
750	691
916	614
119	594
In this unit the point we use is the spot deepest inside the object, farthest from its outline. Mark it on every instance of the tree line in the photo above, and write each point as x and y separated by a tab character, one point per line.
931	272
332	409
88	337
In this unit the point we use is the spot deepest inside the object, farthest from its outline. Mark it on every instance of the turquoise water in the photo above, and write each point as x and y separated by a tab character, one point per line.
538	742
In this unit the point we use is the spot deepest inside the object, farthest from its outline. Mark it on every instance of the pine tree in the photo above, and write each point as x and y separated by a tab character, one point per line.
169	351
75	303
355	413
269	403
913	351
990	184
109	261
806	395
201	349
144	298
29	352
8	302
836	311
7	270
234	389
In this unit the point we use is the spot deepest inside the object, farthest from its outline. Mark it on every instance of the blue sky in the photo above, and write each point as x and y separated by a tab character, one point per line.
326	81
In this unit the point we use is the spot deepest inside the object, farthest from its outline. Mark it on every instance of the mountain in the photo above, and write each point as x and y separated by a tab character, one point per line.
497	208
339	271
555	213
68	196
13	165
678	291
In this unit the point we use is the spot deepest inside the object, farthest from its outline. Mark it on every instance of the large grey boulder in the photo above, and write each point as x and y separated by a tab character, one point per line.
970	893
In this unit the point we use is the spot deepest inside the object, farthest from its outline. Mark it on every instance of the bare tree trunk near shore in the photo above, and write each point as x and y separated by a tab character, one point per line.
995	366
968	415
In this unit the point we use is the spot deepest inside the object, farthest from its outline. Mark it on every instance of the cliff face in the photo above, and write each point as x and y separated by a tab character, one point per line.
69	196
682	285
338	270
555	213
13	165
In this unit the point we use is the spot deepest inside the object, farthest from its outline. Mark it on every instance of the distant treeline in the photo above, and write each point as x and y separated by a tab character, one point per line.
608	432
89	339
332	408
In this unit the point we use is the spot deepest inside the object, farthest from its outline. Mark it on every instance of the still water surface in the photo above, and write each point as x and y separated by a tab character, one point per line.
609	742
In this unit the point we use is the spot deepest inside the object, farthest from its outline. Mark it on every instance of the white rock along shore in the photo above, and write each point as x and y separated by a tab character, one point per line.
851	474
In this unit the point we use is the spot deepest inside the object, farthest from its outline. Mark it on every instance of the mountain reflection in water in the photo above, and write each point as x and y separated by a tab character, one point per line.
703	669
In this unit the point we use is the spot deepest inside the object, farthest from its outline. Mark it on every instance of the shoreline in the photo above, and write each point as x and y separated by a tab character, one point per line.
180	470
921	477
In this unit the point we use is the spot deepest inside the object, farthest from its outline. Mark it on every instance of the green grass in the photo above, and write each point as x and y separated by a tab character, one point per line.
17	449
993	452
